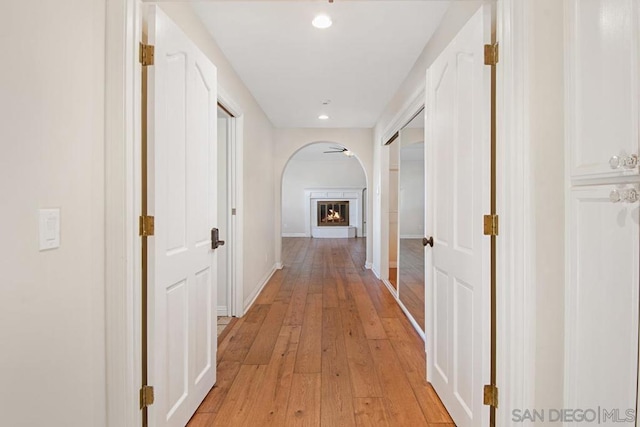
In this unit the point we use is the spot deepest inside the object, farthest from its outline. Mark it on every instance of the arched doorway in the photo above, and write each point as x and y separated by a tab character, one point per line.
323	193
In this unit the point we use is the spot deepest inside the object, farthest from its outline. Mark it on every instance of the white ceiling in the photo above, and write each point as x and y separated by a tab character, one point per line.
292	67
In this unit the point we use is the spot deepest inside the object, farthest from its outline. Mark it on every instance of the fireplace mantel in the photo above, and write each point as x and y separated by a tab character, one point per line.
351	194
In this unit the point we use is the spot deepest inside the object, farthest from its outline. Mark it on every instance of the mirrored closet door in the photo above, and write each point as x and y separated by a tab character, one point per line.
411	218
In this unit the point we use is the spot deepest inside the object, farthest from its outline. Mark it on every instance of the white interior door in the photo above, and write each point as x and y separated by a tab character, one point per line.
182	150
457	157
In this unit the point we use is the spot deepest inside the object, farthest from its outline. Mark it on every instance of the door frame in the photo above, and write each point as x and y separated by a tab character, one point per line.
235	144
516	302
516	243
123	207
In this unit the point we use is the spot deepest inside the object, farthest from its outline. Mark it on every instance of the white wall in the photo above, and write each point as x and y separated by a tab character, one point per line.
456	16
258	170
289	141
52	327
302	174
547	141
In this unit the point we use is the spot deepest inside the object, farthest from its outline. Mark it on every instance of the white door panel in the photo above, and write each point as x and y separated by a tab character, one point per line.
458	195
182	120
602	317
602	85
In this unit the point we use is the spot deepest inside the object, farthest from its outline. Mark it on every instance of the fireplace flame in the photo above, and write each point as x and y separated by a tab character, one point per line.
333	215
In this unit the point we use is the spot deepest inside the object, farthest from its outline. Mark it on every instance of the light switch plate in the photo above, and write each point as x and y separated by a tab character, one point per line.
49	229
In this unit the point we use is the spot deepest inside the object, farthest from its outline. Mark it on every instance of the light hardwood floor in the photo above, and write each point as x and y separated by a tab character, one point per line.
325	344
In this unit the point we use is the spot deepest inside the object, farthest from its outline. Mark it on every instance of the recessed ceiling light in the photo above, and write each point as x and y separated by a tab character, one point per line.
321	21
323	117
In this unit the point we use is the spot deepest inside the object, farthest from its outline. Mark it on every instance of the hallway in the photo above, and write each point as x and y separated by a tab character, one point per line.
325	344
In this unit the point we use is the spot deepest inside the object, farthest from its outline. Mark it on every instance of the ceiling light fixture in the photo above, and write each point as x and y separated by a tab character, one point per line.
323	117
321	21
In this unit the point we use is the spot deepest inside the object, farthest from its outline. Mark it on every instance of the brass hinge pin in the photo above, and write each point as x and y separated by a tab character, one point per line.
491	54
491	395
491	225
146	396
147	226
147	54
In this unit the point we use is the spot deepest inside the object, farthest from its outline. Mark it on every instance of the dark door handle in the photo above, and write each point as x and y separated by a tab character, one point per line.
215	239
428	241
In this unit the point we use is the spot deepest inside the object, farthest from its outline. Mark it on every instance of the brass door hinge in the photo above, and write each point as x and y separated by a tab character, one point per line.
491	395
491	54
147	226
491	225
146	396
147	53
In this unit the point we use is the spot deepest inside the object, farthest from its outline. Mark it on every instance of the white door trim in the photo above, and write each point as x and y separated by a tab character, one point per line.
122	201
235	168
516	284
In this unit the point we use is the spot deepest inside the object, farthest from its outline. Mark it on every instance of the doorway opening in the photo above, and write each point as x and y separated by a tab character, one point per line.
317	204
226	166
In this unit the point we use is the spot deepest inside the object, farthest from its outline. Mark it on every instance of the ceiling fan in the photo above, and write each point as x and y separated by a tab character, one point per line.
336	150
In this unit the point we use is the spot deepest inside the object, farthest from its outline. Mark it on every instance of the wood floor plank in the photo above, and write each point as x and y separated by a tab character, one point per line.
370	321
303	409
330	293
229	336
271	289
226	375
385	304
297	303
201	420
308	359
371	412
262	347
402	406
238	405
241	339
414	365
364	379
286	288
337	399
270	408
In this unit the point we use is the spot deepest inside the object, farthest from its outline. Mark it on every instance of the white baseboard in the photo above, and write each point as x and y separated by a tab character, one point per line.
223	310
411	319
254	295
279	266
295	235
373	268
368	265
390	287
393	264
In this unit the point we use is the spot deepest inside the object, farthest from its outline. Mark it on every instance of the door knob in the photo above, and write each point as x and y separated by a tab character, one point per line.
626	162
215	241
428	241
629	195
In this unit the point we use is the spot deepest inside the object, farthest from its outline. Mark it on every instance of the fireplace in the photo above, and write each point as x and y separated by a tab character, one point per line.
333	213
